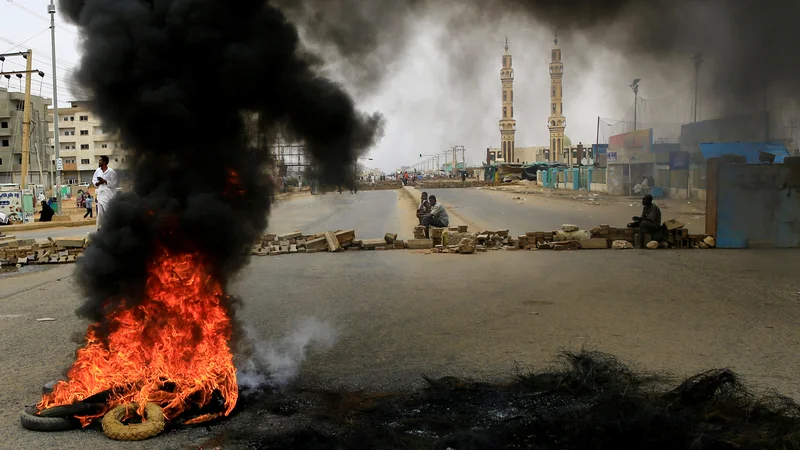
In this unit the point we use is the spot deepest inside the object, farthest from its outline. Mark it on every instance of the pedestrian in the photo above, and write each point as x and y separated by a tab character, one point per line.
47	213
105	180
437	217
89	206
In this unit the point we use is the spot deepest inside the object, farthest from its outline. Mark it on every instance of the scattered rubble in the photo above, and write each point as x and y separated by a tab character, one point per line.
22	252
621	245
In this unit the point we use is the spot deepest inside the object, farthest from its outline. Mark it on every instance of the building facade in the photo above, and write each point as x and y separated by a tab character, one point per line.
82	141
40	162
508	126
556	123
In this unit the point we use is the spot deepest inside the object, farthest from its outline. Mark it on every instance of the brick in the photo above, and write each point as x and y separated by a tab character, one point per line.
420	243
292	248
372	243
289	236
399	244
269	237
463	228
301	243
390	238
595	243
317	244
380	247
333	243
345	236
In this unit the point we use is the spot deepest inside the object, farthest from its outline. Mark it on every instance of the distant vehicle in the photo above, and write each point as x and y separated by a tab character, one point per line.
84	184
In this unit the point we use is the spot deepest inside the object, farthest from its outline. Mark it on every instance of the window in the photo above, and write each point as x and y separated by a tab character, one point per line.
512	111
72	181
553	55
116	159
84	161
1	161
84	146
20	106
554	92
505	94
554	108
104	145
84	118
84	132
3	124
66	119
505	111
19	159
4	143
72	119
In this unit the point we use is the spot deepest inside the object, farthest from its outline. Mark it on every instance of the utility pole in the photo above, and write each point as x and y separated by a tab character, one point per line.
26	107
51	9
697	59
635	88
596	149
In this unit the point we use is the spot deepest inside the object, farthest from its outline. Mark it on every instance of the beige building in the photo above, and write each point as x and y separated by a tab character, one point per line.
82	141
556	123
40	162
508	126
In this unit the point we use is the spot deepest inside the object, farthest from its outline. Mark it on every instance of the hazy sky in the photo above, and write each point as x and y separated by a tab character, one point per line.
439	92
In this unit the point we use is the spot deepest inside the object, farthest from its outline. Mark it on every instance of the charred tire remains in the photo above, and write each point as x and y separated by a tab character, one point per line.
31	421
115	429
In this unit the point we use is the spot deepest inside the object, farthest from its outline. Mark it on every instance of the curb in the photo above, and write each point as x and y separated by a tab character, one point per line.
45	225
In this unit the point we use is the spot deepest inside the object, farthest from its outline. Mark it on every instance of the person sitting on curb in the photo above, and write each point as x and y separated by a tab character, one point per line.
436	218
424	207
648	223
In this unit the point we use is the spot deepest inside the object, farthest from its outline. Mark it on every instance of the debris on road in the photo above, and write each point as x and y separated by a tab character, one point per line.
22	251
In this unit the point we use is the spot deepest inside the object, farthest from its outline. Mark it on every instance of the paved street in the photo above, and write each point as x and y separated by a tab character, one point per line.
487	209
400	314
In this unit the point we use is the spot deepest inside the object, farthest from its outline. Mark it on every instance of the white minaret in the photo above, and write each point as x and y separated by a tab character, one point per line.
556	122
508	126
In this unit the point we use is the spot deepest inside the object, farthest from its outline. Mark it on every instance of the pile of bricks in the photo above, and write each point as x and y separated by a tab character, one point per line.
330	241
21	252
611	234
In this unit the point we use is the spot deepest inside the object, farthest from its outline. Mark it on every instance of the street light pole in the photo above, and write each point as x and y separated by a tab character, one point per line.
697	59
51	9
635	87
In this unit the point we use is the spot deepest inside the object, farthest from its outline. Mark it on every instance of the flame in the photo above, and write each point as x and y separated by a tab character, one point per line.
233	185
171	349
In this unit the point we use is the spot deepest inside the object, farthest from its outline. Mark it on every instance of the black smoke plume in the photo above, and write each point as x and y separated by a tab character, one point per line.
176	78
749	47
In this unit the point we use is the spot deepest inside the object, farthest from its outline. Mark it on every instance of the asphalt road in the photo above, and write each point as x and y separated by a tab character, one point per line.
400	314
371	213
486	209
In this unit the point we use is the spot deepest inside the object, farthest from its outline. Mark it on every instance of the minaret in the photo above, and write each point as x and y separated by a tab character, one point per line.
508	126
556	122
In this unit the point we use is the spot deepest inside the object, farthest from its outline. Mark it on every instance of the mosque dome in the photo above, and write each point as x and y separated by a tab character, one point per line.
567	142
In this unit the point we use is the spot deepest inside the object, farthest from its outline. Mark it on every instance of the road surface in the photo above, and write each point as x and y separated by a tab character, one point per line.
371	213
400	314
487	209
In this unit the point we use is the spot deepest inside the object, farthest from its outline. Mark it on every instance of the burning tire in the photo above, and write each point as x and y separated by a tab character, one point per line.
73	410
115	429
31	421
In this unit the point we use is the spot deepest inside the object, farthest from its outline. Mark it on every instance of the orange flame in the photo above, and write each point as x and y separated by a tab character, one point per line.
171	349
233	185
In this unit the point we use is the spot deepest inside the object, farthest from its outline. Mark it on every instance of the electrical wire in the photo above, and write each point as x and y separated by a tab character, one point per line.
35	14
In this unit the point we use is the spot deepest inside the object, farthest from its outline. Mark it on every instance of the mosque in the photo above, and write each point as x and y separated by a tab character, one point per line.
559	144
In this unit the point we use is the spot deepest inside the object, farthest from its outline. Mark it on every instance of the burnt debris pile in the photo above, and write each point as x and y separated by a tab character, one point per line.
588	401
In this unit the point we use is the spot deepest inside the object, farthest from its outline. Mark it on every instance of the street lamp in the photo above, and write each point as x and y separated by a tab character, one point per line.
635	88
697	59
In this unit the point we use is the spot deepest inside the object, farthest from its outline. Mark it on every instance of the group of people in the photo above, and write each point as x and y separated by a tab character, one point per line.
431	213
105	181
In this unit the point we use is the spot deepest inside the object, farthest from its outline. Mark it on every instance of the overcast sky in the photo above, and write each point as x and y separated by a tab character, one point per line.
438	93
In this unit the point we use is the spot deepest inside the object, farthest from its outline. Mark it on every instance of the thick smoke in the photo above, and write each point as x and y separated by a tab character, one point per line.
748	46
175	77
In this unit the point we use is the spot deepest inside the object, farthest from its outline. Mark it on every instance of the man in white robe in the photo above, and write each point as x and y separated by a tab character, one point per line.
105	181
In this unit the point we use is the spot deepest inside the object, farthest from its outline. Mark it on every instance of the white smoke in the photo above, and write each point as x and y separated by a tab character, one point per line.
276	364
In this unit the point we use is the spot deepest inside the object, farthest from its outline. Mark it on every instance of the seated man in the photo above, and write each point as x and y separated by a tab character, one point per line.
423	208
649	222
436	218
47	213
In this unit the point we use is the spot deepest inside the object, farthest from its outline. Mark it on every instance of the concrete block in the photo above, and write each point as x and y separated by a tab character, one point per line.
301	243
399	244
420	243
463	228
292	248
284	242
317	244
345	236
594	243
372	243
353	249
333	243
289	236
380	247
390	238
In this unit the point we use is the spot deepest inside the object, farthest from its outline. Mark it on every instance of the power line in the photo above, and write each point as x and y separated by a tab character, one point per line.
37	51
35	14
